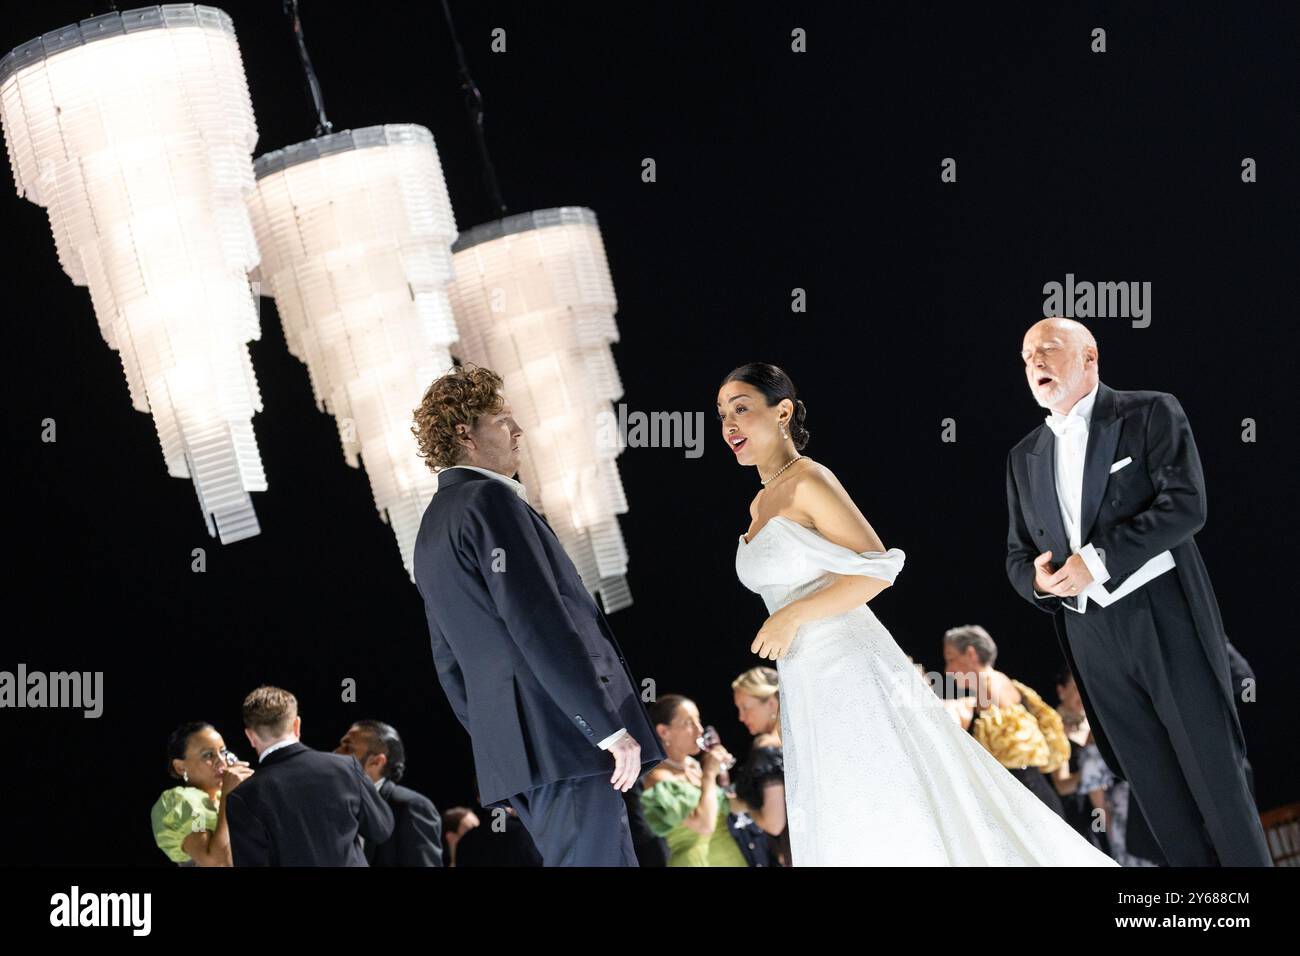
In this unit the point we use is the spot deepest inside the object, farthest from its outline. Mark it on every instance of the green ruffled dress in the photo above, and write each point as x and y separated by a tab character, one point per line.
176	814
666	806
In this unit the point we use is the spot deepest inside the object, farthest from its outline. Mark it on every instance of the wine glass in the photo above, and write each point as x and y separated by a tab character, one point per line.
710	738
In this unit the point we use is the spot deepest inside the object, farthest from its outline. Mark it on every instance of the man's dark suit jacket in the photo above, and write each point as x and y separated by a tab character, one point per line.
417	830
1155	503
526	658
302	807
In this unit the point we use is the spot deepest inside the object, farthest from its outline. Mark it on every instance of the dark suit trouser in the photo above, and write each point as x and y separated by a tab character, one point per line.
1163	710
578	822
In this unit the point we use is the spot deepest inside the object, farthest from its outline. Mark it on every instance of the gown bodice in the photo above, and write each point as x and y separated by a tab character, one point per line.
786	561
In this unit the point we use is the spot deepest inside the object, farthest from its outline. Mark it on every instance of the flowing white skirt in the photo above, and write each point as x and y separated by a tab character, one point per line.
878	774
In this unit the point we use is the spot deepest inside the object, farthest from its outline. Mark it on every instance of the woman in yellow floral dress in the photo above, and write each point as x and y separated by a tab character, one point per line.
1008	718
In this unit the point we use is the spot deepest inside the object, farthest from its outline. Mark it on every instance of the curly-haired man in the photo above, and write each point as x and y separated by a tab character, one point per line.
526	658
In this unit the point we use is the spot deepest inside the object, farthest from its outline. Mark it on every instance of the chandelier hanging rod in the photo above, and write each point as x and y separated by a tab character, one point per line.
323	125
474	105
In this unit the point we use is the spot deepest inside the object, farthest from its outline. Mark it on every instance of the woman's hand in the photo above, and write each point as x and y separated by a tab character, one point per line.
713	760
233	775
776	635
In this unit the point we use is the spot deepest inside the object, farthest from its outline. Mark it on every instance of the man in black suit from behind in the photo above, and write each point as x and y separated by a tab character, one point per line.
417	828
300	807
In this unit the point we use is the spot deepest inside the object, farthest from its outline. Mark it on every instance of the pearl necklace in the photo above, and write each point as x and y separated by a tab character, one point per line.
781	469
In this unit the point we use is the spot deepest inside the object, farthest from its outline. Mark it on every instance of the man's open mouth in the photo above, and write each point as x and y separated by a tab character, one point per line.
1044	380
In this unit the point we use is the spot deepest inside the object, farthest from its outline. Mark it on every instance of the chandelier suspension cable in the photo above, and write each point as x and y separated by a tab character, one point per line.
474	104
323	125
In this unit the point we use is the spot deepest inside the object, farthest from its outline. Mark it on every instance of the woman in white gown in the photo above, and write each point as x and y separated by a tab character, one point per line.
876	772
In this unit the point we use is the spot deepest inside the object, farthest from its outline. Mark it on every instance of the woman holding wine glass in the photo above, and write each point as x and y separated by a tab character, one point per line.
189	820
684	799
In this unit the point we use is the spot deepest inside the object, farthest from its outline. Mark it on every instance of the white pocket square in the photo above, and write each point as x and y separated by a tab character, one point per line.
1120	464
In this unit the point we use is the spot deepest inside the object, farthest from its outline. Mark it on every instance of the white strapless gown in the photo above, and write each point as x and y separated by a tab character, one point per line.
876	771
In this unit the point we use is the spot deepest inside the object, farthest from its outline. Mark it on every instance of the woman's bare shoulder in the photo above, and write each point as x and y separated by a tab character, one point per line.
657	775
1008	695
819	492
814	475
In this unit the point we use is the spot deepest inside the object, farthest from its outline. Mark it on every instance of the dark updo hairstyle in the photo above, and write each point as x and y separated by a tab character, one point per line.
179	740
664	708
775	386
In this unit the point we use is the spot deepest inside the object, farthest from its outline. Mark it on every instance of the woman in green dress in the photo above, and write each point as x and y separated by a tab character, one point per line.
682	801
189	821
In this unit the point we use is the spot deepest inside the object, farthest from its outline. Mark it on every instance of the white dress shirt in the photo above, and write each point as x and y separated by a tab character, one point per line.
516	485
1071	432
282	742
523	493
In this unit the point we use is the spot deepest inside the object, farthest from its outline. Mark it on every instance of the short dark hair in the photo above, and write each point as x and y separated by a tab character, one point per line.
452	819
270	709
389	743
179	740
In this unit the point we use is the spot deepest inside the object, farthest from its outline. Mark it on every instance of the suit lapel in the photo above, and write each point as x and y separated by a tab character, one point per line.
545	524
1103	439
464	474
1041	464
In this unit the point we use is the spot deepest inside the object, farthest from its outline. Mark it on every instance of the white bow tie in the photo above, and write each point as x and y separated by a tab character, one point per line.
1060	424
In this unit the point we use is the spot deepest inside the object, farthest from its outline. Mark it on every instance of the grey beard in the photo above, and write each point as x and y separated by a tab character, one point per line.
1063	388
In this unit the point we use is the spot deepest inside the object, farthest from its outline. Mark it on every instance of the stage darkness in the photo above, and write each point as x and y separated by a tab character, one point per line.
775	171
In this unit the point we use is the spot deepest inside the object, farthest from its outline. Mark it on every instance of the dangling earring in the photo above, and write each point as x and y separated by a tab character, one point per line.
783	434
186	774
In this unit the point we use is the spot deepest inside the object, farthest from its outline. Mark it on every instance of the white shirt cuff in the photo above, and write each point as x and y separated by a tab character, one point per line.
612	739
1041	597
1094	564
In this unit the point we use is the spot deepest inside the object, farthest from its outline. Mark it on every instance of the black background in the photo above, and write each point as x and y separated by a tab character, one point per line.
775	171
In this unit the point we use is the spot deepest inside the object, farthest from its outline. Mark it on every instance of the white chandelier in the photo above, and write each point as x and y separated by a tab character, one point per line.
135	131
356	231
535	303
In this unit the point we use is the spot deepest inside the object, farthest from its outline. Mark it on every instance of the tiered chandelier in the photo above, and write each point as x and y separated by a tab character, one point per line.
356	230
135	131
535	303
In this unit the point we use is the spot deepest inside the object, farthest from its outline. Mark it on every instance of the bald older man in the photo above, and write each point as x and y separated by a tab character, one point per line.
1104	498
